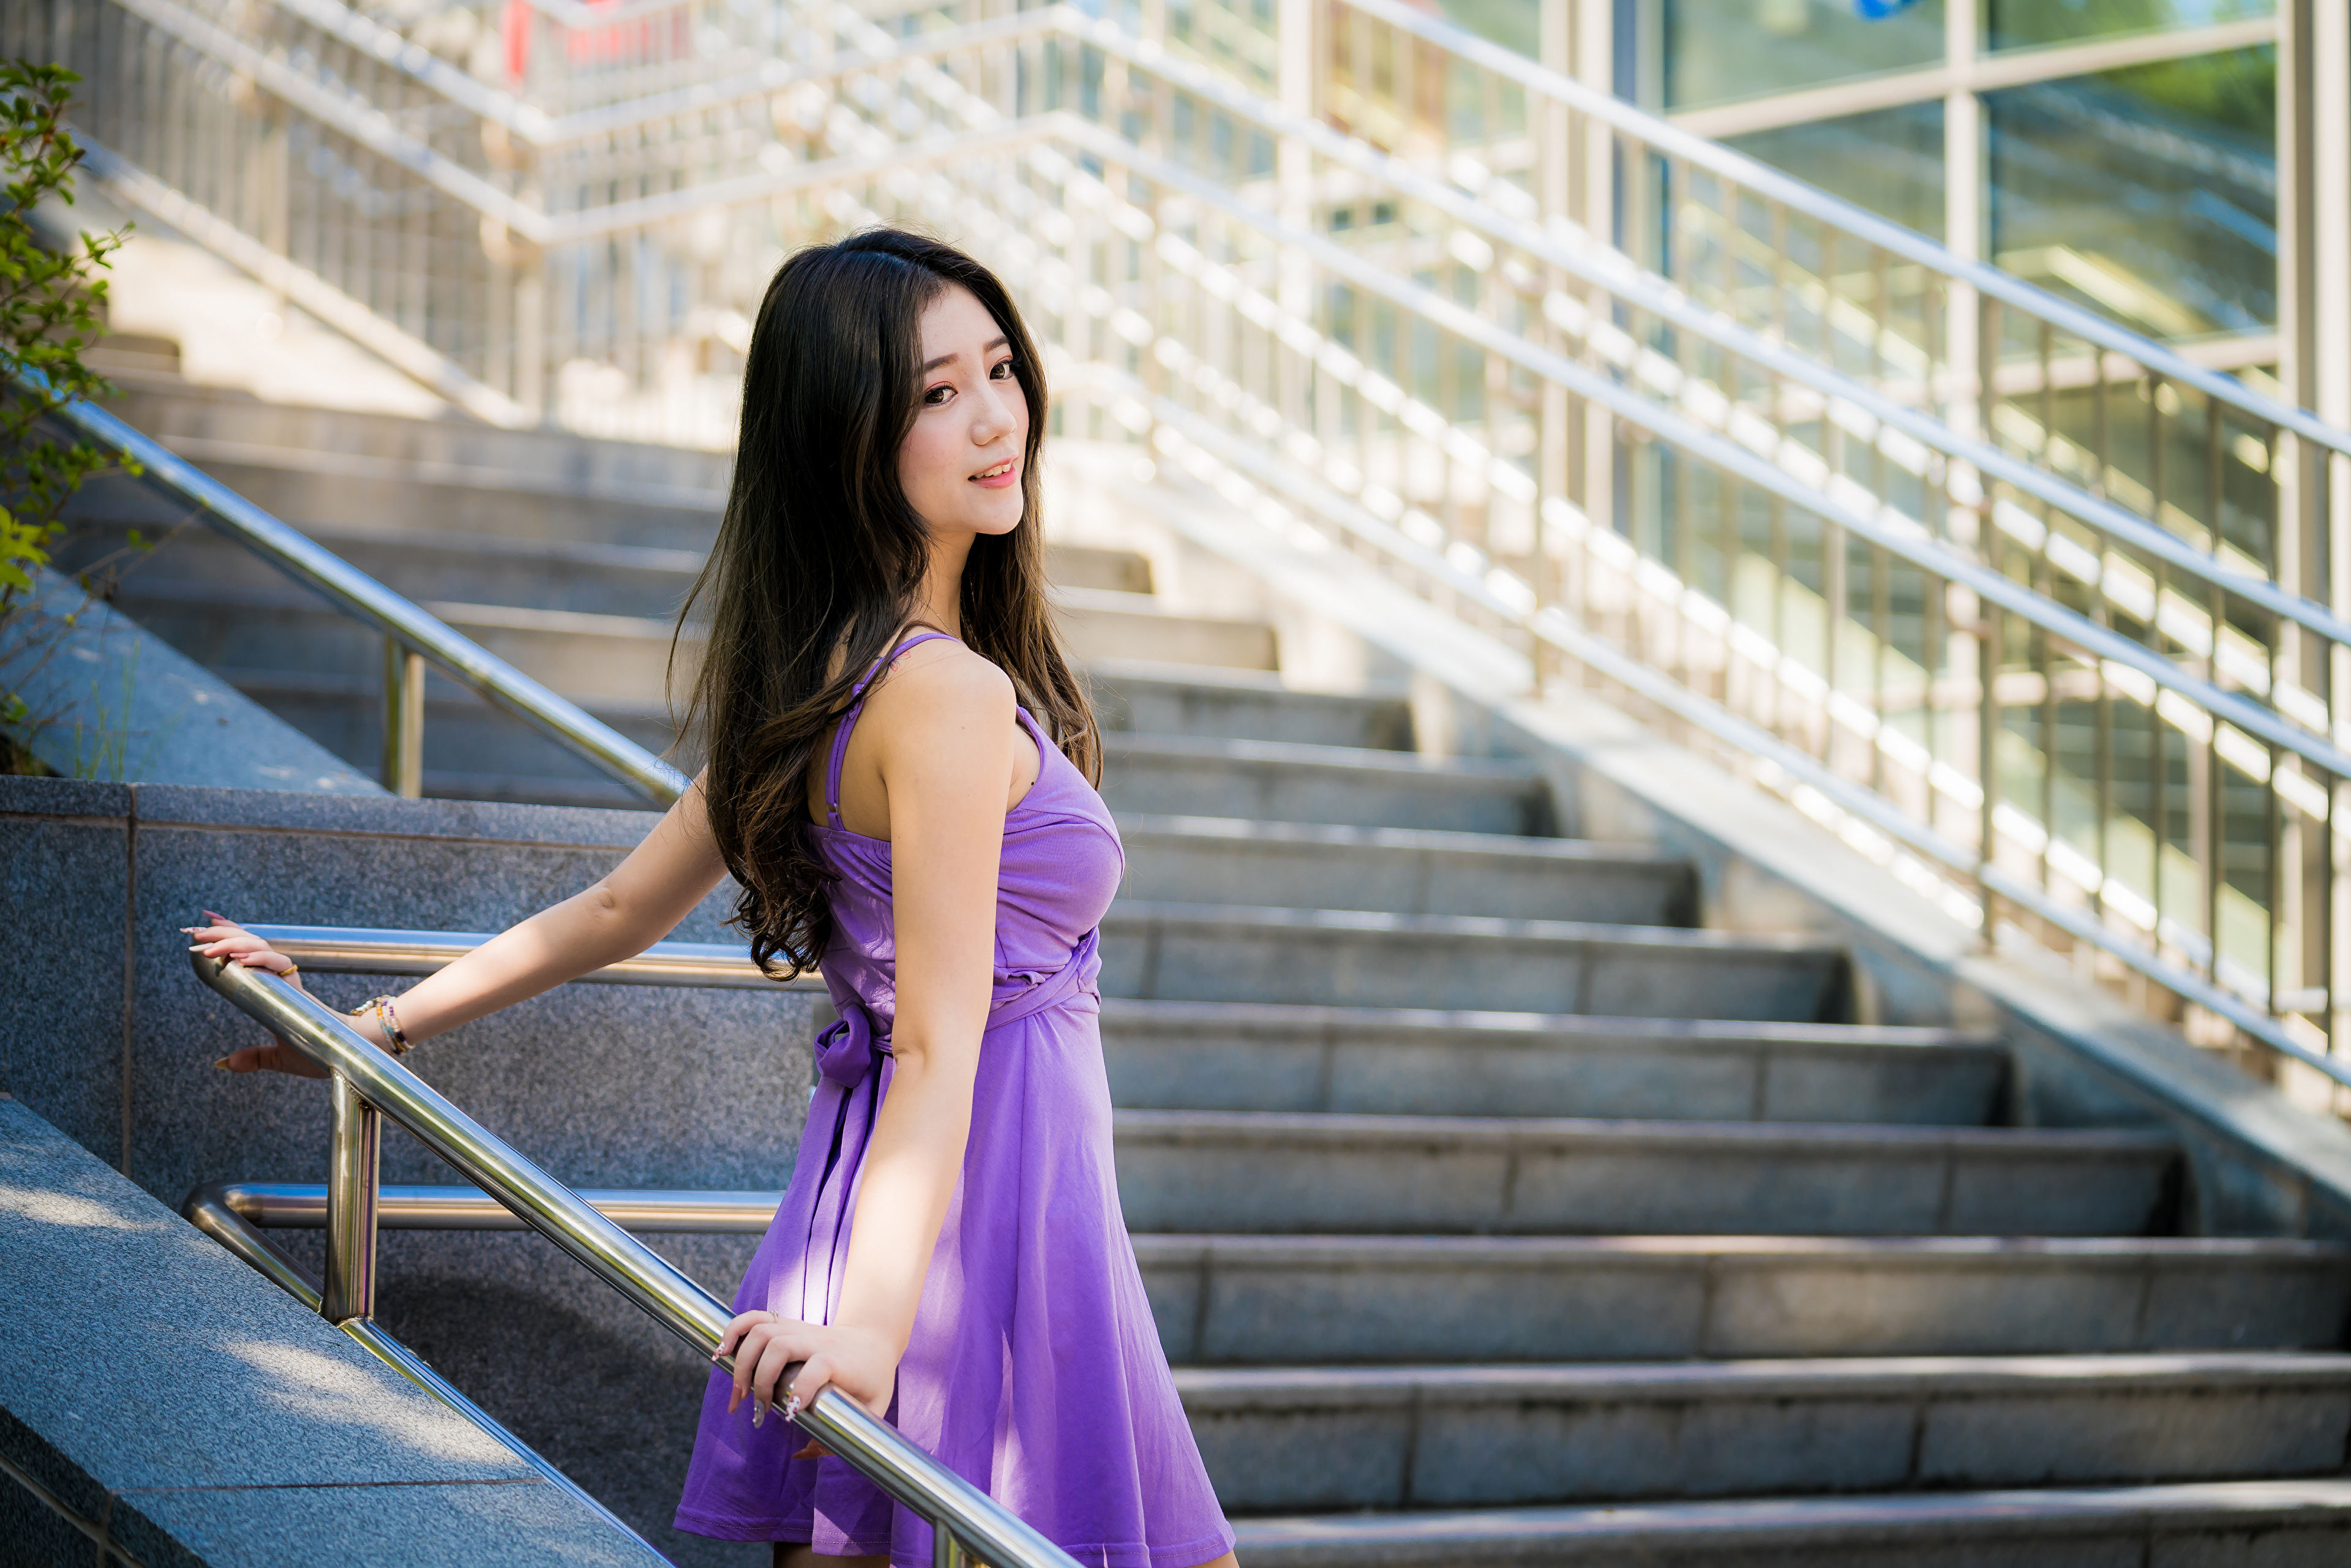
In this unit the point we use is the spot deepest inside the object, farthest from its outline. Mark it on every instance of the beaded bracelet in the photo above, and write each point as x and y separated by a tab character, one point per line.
389	1023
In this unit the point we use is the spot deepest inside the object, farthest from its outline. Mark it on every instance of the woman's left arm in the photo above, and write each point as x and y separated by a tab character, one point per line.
948	733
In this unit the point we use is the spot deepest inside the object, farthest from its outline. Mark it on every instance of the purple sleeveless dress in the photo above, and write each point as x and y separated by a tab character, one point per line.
1035	1371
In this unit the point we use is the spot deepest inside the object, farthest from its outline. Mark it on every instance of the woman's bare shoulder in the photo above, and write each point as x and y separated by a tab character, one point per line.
942	685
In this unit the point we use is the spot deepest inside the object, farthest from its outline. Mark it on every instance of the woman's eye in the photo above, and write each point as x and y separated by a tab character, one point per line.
1001	372
936	395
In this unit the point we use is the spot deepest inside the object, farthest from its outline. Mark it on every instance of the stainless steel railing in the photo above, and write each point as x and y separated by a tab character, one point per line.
368	1083
304	1206
412	638
354	951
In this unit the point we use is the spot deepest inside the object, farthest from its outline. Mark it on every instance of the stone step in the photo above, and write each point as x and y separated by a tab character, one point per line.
1261	1299
1402	871
1226	1056
472	751
1195	952
194	420
1261	1173
2207	1524
324	489
1144	698
592	657
1274	781
544	573
428	564
1098	624
1456	1436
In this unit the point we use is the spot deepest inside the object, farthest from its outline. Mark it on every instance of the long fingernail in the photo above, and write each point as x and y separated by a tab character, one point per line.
222	1065
758	1412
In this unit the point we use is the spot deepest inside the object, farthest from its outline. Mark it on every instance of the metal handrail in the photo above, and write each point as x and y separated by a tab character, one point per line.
351	950
1797	196
963	1519
304	1206
357	594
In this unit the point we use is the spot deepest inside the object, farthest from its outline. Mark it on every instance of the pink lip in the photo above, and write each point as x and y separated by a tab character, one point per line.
1000	481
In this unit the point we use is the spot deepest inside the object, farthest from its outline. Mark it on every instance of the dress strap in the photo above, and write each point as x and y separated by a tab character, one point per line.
848	719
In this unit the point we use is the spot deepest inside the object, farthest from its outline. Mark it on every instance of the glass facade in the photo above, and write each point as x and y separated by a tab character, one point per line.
1717	51
1890	161
2150	194
2026	23
2128	158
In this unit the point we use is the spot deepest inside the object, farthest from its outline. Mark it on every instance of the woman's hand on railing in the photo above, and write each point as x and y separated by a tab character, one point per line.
861	1363
224	938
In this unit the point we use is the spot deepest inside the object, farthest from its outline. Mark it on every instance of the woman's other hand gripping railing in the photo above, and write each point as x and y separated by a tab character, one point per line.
410	633
973	1520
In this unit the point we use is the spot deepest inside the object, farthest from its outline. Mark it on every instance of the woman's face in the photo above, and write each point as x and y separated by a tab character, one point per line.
960	466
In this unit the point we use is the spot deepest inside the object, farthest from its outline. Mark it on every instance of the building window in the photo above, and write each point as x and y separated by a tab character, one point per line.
2150	194
1890	162
2025	24
1717	51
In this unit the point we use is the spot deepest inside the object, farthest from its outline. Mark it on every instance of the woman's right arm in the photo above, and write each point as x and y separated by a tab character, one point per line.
617	917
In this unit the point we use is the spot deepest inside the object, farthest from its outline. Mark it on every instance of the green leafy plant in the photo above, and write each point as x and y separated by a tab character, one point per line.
52	311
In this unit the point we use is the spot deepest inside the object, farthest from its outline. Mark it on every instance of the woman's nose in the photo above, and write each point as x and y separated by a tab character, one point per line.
996	416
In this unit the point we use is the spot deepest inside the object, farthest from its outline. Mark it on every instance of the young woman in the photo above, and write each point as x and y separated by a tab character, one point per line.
900	780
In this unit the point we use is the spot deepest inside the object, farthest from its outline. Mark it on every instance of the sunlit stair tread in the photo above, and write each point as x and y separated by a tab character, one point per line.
199	421
1368	958
1100	623
1242	1300
1269	780
1538	1131
211	451
1497	848
1267	1056
1450	1435
2284	1523
1126	747
1607	1382
1319	1174
1146	696
1402	871
467	580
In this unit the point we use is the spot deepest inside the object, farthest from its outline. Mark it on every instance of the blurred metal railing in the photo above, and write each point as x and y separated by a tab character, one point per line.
367	1084
1795	478
351	950
412	638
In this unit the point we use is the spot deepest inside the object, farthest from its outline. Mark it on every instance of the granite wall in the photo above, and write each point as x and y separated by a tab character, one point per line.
109	1036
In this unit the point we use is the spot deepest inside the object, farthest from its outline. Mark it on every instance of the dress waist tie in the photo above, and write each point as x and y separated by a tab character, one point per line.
848	1053
848	1048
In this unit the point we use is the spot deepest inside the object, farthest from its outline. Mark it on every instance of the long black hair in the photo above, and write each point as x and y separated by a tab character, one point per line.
820	560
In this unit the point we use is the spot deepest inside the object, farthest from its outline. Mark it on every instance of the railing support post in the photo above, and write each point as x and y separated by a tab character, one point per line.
403	719
946	1552
352	1168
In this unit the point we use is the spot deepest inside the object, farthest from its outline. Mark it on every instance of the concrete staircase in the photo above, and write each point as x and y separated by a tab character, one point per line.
1465	1174
1492	1210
